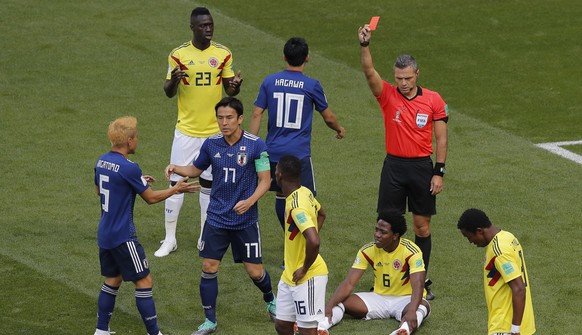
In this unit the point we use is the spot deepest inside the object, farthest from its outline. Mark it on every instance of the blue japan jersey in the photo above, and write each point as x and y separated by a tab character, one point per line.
118	180
290	97
234	178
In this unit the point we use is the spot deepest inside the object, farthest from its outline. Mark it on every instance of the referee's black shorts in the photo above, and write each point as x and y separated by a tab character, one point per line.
407	180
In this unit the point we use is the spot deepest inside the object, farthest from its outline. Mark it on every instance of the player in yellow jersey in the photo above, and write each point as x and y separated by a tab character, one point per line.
507	286
398	285
301	290
198	70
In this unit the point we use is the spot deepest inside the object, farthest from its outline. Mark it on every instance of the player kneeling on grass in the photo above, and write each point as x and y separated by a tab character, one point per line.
301	290
122	257
399	280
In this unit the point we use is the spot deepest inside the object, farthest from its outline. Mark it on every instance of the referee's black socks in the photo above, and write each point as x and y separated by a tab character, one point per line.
425	245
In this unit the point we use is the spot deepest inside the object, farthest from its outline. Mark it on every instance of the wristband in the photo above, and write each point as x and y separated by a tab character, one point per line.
439	169
365	43
515	329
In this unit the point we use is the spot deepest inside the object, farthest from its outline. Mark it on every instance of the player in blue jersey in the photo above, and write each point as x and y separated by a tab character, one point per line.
240	174
290	96
122	257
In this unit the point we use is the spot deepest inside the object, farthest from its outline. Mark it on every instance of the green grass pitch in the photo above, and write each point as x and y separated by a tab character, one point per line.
509	71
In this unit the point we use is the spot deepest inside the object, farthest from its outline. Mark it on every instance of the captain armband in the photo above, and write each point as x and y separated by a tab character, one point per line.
262	163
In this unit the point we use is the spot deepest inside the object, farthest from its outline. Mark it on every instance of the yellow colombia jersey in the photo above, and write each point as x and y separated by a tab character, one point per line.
301	209
202	89
504	262
392	270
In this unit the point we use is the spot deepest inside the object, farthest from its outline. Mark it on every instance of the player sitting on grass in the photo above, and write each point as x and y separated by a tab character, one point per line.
399	280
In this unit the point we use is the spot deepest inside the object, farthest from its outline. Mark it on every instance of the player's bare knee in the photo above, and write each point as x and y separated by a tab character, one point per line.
145	282
114	281
210	265
255	272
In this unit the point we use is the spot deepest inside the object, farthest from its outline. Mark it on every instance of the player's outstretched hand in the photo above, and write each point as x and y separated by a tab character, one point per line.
183	186
149	178
169	170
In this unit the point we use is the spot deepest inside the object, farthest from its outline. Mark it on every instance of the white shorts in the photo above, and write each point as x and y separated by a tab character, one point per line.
185	150
304	303
382	306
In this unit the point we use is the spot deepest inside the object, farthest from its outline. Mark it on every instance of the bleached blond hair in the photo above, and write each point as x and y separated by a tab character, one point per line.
122	129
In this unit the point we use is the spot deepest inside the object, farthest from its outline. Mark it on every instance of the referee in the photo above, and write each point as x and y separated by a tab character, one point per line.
411	114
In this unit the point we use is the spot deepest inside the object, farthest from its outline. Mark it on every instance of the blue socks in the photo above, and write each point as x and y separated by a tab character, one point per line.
105	305
208	294
144	301
264	284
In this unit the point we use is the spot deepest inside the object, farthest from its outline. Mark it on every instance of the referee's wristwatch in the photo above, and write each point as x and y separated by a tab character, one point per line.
439	169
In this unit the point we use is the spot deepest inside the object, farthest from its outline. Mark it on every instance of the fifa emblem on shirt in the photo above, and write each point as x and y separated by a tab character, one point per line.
421	119
397	264
213	62
397	117
241	158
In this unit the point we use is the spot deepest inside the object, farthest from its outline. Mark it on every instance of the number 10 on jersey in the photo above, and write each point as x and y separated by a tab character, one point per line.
284	113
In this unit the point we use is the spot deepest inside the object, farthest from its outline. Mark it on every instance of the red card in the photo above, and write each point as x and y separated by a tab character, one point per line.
374	22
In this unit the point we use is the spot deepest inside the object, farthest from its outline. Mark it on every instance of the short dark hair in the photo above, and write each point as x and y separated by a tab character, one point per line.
296	51
472	219
199	11
232	102
290	166
404	61
397	221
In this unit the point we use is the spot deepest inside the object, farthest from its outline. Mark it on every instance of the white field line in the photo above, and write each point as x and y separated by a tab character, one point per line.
556	148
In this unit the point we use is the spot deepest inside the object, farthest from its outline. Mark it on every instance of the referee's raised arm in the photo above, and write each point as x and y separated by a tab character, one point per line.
372	77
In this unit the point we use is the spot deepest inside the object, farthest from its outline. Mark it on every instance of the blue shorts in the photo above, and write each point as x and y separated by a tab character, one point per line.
245	243
127	259
307	176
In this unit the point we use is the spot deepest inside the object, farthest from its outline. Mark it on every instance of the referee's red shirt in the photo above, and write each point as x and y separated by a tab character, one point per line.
409	123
